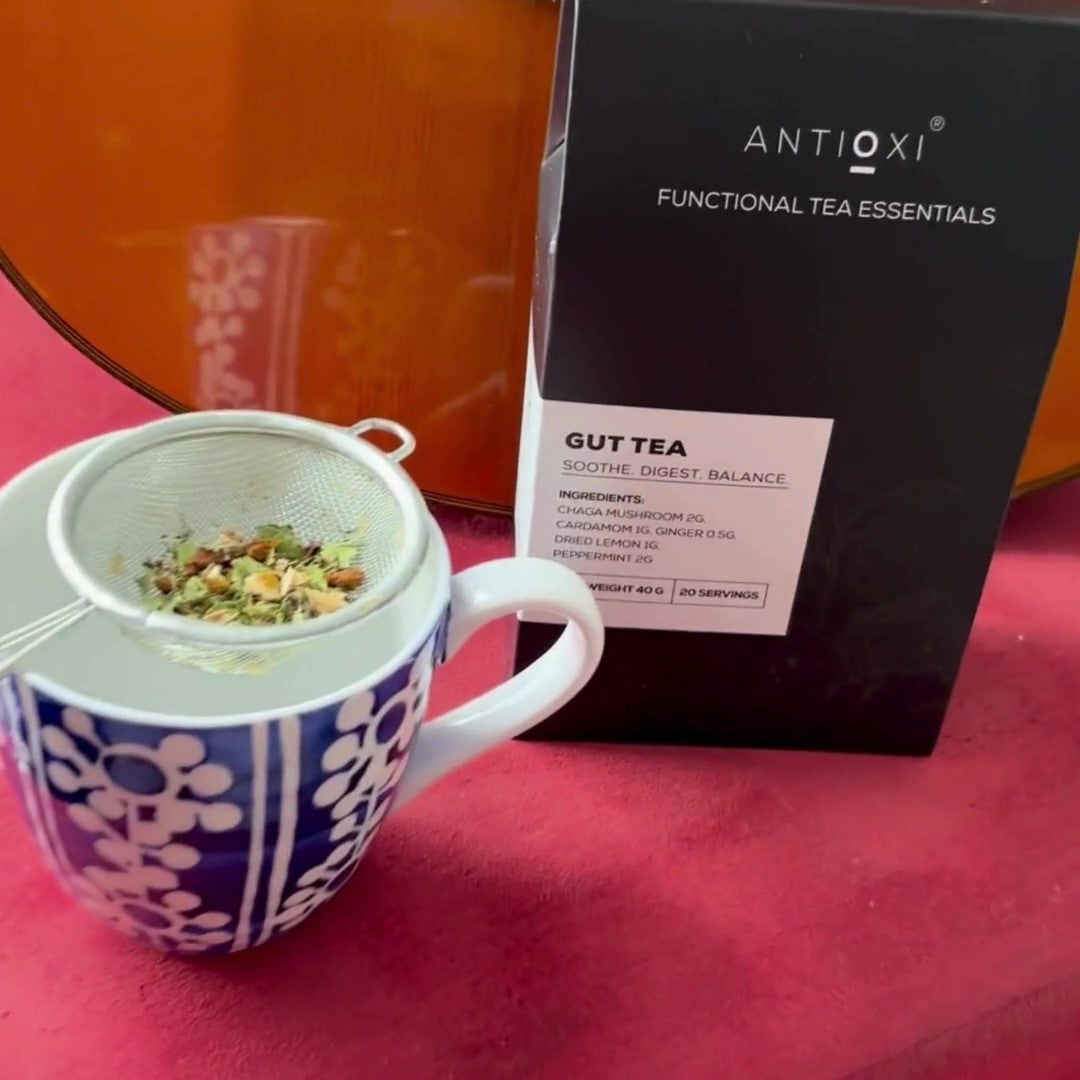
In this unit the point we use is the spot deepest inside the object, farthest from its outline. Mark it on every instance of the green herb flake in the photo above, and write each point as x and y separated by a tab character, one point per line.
338	556
286	545
184	552
316	576
194	589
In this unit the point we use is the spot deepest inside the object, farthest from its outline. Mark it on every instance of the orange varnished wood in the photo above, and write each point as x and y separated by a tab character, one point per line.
325	206
394	144
1053	449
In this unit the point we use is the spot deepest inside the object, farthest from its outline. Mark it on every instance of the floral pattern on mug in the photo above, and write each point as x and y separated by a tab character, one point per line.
137	799
211	839
363	767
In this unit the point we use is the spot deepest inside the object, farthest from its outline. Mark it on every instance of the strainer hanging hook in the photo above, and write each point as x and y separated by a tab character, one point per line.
406	439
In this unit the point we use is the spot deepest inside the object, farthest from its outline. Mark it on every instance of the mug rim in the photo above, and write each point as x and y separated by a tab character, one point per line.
68	697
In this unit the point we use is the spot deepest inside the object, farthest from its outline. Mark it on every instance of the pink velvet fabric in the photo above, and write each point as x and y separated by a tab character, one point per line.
604	911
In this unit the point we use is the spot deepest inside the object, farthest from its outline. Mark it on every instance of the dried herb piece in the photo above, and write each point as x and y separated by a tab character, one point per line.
267	578
348	579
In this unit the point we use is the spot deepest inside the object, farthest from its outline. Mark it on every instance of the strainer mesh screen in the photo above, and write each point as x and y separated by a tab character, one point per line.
207	483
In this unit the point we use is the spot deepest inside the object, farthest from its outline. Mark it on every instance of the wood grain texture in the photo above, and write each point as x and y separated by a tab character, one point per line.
371	168
377	160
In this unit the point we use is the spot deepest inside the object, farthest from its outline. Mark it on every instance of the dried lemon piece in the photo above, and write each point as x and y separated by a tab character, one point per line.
266	585
325	603
220	615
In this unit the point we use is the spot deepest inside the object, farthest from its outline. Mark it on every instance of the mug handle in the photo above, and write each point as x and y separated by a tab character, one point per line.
479	595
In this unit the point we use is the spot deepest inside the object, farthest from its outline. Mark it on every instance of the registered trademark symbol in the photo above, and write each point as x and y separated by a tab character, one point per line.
937	123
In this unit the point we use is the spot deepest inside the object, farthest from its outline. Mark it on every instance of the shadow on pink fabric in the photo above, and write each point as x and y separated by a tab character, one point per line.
1034	1035
624	912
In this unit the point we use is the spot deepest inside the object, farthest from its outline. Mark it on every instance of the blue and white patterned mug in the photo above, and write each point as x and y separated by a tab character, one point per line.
203	814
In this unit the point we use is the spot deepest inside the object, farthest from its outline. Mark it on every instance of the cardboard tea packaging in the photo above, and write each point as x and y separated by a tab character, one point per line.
801	268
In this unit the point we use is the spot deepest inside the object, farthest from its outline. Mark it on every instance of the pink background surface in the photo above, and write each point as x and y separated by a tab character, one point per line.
555	911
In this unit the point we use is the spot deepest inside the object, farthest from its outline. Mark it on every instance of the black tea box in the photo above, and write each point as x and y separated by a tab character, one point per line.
801	268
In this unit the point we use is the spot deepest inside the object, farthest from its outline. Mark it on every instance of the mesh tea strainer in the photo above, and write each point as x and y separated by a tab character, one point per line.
202	473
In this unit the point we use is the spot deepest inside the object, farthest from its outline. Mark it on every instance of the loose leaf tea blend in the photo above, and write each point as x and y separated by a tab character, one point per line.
270	577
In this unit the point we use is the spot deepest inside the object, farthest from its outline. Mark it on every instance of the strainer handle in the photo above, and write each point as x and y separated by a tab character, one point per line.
480	595
406	439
